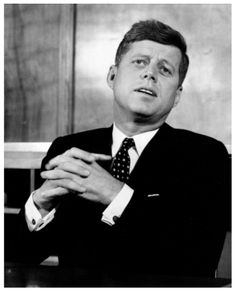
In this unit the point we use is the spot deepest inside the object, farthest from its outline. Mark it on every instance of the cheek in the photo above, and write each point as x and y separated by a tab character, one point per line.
126	78
121	84
168	91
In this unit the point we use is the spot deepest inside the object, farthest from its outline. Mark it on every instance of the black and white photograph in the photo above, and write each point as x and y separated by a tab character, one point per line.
117	145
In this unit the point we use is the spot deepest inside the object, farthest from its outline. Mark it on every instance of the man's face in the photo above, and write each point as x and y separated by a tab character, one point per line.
146	82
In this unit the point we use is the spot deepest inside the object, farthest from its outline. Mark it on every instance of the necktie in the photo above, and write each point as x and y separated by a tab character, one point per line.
121	163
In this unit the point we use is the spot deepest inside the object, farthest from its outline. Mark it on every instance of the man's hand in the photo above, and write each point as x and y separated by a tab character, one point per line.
49	194
77	171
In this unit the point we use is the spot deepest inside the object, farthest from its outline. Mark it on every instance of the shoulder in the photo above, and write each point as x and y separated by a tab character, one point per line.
191	141
83	140
78	138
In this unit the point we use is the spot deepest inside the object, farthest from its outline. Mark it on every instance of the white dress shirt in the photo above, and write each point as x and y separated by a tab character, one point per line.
117	206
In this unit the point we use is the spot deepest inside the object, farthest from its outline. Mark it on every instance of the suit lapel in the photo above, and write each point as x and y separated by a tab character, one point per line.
102	144
103	140
152	160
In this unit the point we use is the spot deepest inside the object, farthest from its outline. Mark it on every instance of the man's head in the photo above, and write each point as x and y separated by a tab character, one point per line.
159	32
150	66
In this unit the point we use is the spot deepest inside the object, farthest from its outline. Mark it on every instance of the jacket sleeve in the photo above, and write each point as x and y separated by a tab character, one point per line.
34	247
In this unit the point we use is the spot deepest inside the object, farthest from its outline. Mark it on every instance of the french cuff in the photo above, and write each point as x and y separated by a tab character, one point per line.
33	217
117	206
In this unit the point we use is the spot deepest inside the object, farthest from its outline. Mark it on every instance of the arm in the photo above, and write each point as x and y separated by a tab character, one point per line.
31	247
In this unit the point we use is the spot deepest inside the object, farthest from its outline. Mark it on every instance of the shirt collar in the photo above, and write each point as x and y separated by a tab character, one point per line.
141	140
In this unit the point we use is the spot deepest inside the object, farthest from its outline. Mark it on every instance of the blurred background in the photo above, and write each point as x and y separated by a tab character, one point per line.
57	58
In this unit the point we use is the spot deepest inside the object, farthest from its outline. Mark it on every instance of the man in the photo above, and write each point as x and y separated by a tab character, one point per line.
161	210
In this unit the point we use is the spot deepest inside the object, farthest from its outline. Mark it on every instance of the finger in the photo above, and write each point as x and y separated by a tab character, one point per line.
99	156
71	165
80	154
54	174
71	153
59	174
77	167
61	159
64	179
71	185
59	191
56	161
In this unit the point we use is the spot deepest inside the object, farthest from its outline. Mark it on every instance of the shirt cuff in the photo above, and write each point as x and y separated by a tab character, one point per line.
117	206
33	217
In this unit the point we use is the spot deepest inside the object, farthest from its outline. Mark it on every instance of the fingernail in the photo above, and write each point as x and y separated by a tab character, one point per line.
86	173
42	174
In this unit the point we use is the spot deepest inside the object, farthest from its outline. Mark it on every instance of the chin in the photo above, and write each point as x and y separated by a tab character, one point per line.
143	114
143	111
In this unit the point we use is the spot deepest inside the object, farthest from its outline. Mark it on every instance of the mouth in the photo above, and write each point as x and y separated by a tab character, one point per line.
147	91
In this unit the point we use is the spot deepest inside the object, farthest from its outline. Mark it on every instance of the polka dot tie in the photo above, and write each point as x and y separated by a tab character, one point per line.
121	163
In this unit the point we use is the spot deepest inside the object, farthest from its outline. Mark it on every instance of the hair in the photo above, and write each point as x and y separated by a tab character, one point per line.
159	32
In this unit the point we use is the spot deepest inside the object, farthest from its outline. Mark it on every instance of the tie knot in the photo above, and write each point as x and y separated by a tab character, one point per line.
128	143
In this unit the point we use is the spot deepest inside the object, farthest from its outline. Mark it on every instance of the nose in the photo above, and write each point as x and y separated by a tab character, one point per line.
148	75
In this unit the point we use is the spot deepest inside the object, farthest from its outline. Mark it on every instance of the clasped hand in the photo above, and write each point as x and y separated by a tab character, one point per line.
76	171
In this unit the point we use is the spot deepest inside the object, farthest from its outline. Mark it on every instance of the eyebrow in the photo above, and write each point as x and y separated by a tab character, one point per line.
140	55
163	60
168	63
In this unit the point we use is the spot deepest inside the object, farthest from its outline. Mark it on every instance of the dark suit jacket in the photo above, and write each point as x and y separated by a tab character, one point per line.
179	232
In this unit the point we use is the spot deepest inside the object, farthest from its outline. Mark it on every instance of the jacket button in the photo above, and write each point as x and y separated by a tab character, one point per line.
115	218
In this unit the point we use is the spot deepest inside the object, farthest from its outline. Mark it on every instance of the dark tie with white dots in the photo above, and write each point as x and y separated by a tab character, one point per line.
121	163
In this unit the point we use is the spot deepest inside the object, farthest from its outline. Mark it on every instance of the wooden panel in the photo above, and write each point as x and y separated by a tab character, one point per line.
66	71
206	101
38	70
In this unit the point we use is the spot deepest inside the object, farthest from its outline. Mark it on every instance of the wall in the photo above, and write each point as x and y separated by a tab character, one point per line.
38	43
84	101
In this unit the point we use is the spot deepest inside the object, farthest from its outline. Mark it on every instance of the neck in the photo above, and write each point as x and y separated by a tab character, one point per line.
133	124
131	128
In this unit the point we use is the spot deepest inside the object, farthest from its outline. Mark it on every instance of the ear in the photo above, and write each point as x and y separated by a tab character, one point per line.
111	76
178	95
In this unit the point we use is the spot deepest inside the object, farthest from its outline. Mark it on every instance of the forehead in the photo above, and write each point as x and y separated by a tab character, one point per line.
154	50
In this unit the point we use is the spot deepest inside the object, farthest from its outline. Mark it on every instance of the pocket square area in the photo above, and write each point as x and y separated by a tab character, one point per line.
153	195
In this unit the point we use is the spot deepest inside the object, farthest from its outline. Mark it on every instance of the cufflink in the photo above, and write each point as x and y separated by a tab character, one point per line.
153	195
33	222
115	218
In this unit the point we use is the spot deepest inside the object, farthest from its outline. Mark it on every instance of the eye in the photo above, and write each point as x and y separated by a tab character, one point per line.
139	62
165	71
